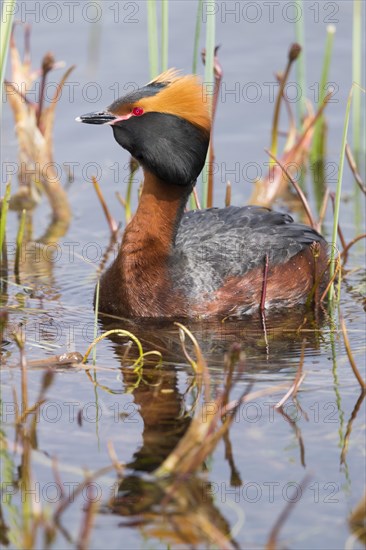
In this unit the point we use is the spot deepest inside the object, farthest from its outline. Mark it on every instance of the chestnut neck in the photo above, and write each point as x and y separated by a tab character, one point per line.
159	212
148	240
142	265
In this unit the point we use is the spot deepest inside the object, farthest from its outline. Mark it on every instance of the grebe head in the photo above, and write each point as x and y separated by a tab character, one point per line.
165	126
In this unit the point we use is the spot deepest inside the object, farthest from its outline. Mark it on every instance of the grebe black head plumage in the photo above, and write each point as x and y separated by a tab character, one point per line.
165	125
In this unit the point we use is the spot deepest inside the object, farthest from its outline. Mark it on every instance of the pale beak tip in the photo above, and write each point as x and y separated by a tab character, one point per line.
78	119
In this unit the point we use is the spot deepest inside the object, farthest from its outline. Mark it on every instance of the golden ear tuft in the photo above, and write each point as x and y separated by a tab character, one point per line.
184	96
167	77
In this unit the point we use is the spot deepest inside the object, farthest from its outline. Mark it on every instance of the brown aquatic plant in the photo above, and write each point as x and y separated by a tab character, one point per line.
228	194
264	286
351	359
113	225
344	253
204	431
347	435
218	74
353	166
357	520
297	189
296	149
36	521
89	517
273	536
293	54
34	122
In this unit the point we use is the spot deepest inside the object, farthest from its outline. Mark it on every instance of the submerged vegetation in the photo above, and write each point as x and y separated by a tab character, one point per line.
189	384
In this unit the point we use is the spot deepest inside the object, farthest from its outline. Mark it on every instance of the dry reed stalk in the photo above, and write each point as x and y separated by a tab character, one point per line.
273	536
344	253
353	166
297	189
352	362
34	128
349	426
113	225
275	183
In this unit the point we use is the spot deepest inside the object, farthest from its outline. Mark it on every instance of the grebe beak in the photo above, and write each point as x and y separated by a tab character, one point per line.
101	117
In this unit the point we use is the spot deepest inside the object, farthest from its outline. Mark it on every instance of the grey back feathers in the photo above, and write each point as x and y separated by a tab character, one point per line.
214	244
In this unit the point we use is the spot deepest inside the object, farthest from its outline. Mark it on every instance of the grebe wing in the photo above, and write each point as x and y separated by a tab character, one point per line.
220	242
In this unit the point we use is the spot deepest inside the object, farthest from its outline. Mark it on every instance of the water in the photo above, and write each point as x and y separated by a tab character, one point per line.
241	491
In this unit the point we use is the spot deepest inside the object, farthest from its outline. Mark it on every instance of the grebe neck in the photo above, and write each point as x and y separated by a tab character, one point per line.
141	270
160	209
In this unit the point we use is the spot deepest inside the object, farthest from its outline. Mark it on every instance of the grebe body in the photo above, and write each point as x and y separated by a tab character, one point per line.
213	262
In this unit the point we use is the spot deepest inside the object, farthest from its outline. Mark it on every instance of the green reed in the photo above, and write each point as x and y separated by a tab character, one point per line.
337	201
300	65
197	34
357	121
209	82
8	467
127	203
19	241
317	149
164	34
153	37
152	30
6	25
4	214
94	358
96	315
153	45
358	113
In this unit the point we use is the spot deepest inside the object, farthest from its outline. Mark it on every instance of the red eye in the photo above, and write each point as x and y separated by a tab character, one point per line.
137	111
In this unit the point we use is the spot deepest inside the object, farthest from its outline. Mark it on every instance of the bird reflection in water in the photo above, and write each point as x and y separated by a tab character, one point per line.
181	509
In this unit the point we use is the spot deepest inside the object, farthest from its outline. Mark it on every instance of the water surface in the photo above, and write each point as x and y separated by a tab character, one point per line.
259	467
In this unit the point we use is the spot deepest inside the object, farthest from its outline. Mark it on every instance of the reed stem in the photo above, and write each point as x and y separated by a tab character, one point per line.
337	201
300	66
317	149
209	85
3	217
357	120
152	30
96	313
293	54
164	34
19	242
197	34
6	26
